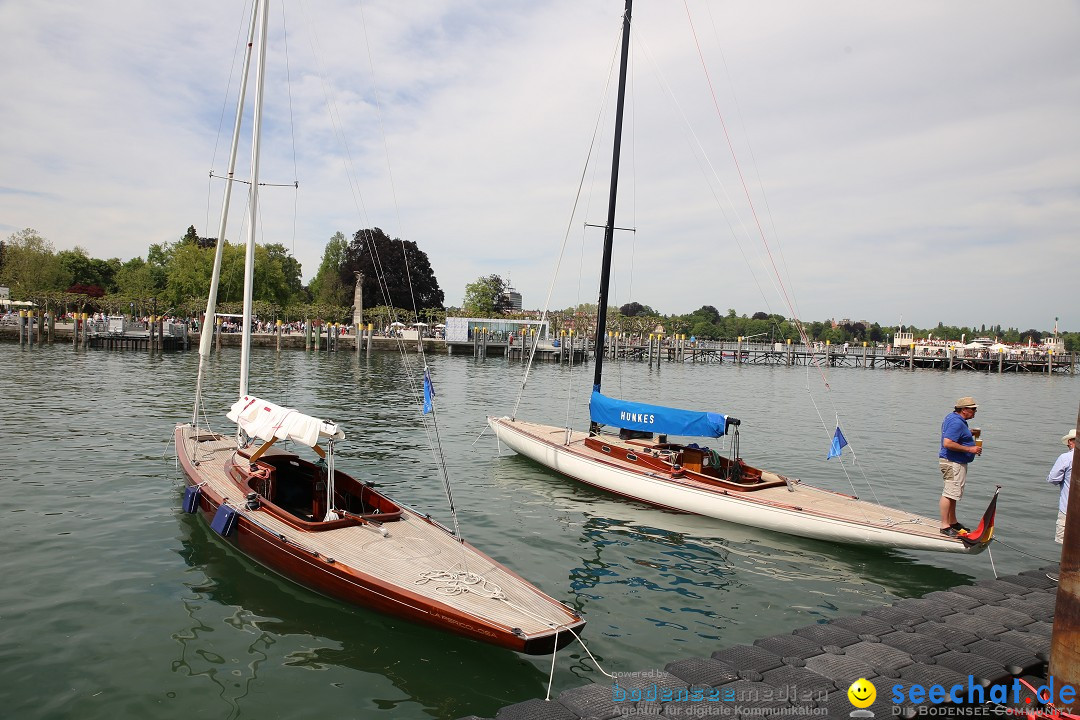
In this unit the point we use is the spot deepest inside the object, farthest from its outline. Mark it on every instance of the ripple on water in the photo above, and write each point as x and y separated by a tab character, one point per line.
126	606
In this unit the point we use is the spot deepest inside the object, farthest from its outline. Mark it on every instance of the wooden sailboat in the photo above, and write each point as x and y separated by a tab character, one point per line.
626	451
324	529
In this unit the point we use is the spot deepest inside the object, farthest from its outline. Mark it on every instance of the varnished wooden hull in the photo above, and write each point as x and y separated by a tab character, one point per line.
358	565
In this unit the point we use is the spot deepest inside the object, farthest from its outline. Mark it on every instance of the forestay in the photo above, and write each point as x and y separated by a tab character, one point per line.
267	421
656	418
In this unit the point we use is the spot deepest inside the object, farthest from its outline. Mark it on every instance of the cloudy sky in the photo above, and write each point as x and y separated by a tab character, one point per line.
912	161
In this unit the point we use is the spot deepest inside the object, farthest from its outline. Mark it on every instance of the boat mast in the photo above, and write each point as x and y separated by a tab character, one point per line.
609	228
206	331
253	202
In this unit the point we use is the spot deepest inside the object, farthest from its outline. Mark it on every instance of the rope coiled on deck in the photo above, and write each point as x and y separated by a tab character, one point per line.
458	582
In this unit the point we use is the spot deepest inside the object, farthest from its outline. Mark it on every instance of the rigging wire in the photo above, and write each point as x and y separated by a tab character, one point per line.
431	430
292	125
562	252
775	271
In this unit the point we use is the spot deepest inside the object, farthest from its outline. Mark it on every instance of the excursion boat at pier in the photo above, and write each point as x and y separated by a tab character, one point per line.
627	451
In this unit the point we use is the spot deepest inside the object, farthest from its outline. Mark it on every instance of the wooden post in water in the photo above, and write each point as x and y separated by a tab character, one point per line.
790	353
40	323
370	337
1001	360
52	327
85	341
911	357
1065	637
738	350
1050	363
216	329
951	352
277	331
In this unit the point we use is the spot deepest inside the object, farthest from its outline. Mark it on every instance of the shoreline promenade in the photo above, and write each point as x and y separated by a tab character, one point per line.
670	350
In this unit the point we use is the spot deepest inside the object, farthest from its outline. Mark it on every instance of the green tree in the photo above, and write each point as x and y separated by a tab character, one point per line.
484	297
291	269
328	286
396	272
135	279
31	265
87	271
633	309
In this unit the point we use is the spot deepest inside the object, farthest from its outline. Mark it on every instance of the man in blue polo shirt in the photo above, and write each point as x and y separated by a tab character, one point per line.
958	448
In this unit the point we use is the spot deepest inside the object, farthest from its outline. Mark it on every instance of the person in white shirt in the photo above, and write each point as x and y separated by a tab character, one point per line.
1060	475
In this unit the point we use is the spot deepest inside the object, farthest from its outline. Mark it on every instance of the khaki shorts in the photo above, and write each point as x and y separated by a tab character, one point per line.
955	475
1059	531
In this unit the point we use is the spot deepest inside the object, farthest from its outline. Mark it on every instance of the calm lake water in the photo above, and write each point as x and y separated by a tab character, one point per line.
116	604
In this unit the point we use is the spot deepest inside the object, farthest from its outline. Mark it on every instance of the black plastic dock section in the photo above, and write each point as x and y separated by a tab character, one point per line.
991	639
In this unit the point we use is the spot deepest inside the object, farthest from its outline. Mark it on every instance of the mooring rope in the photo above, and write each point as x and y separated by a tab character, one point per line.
1022	552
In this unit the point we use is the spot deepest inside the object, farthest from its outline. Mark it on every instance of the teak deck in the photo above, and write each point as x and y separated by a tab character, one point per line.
401	560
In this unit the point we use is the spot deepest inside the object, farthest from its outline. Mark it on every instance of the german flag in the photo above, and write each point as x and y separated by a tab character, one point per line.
984	533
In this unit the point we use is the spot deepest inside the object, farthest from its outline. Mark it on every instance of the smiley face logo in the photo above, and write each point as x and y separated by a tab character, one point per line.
862	693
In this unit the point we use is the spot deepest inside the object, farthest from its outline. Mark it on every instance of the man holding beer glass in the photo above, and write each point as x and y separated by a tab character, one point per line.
958	448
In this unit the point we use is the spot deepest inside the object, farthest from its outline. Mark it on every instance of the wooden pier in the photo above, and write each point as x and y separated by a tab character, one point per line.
861	356
135	341
678	350
575	351
981	638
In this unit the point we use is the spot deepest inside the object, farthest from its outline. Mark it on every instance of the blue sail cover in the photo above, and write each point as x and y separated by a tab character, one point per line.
654	418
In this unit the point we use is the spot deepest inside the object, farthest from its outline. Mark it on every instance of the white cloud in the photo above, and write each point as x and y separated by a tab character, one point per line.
918	159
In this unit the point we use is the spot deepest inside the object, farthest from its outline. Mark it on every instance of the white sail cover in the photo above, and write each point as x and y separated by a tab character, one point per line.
265	420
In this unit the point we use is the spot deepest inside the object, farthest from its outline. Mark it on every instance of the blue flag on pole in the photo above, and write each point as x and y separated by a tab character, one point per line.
839	442
429	392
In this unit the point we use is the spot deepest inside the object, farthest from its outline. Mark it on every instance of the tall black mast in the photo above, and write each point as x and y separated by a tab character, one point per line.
609	228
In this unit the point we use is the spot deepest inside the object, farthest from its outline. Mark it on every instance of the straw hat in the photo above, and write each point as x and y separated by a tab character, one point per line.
1071	435
966	402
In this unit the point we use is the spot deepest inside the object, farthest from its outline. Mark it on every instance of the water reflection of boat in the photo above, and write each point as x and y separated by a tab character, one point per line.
270	624
620	542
